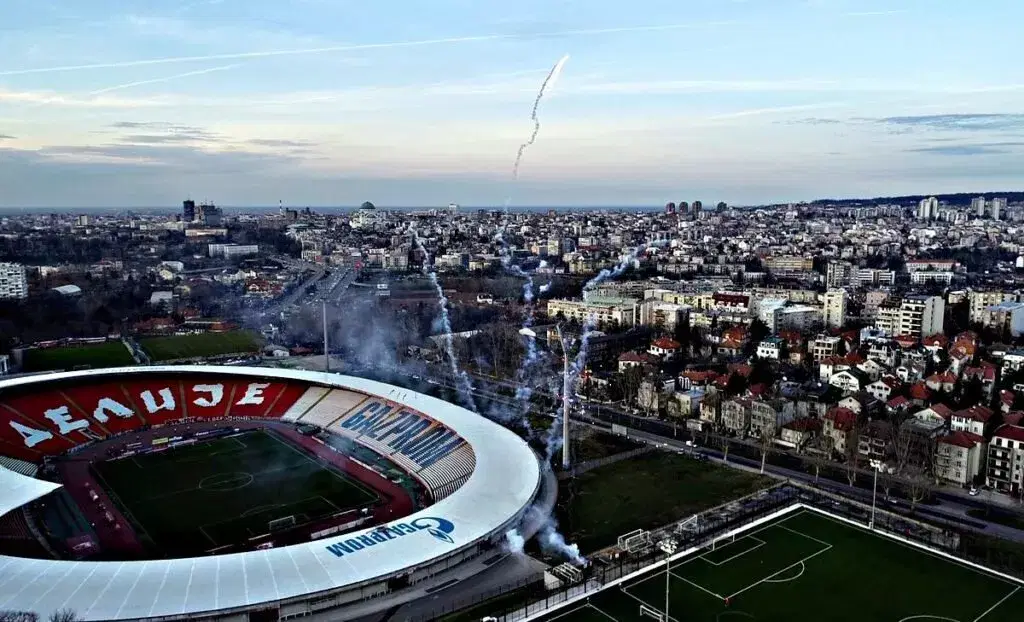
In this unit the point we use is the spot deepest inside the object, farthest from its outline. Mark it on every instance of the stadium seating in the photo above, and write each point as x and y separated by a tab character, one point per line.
309	398
332	407
56	419
20	467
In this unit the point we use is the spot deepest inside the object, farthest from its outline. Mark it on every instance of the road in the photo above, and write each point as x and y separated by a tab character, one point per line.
953	504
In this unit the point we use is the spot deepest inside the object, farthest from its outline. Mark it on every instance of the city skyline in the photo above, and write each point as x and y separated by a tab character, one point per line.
107	104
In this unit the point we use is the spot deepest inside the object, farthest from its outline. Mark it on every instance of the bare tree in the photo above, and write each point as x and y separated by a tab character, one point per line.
631	379
18	616
852	454
723	442
63	615
824	446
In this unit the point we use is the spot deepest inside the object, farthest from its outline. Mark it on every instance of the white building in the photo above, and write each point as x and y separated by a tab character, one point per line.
1005	466
232	250
824	347
623	314
770	348
835	308
916	316
996	208
839	274
980	301
13	283
978	206
959	457
1005	317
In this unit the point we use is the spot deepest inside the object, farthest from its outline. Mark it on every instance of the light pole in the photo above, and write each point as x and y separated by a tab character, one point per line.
532	334
668	546
876	466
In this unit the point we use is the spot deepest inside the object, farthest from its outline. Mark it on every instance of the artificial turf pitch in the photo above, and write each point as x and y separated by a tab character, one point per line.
808	567
222	492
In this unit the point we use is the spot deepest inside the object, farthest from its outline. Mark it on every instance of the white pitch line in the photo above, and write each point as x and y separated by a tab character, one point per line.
1003	600
799	533
704	589
731	596
759	541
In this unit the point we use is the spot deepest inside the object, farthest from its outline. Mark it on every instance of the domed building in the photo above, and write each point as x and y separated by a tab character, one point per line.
366	216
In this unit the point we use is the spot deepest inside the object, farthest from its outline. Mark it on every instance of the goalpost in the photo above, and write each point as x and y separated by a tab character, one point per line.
723	541
651	613
635	541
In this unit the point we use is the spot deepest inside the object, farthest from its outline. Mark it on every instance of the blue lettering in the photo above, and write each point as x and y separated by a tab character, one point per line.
357	417
405	421
439	453
367	423
338	549
387	532
399	443
366	541
401	420
379	537
388	424
428	443
354	545
404	528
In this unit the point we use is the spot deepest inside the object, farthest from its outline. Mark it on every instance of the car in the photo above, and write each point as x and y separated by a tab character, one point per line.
974	492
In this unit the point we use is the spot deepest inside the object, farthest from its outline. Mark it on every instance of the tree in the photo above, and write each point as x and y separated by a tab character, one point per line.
18	616
852	451
757	332
723	443
630	380
824	446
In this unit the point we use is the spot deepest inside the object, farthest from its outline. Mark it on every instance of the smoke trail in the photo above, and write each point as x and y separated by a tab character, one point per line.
548	81
551	541
462	382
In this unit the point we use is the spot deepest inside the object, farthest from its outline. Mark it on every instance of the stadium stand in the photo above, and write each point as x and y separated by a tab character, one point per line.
308	400
18	466
51	423
432	453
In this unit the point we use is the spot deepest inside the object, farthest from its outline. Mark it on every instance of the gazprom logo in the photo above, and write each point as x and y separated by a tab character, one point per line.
439	528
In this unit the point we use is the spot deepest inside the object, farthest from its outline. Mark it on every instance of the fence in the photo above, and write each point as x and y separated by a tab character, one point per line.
590	465
512	603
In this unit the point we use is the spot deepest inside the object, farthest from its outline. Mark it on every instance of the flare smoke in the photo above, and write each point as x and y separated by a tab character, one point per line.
460	377
549	81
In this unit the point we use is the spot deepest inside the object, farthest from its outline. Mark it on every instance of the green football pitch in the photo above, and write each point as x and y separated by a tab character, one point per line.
222	492
807	566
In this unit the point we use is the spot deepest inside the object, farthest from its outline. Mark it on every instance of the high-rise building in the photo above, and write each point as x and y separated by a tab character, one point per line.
921	316
978	206
83	220
188	210
698	207
683	209
209	214
834	311
997	207
670	208
13	283
838	274
928	209
721	207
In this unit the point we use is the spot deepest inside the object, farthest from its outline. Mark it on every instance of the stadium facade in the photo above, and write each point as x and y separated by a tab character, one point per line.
481	480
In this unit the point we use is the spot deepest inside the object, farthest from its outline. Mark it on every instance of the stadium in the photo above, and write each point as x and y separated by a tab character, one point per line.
245	493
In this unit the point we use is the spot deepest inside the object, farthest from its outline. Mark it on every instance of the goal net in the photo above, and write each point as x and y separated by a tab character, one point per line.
635	541
723	541
281	523
649	612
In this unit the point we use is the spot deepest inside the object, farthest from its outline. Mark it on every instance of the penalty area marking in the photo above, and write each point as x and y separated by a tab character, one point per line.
929	617
759	544
803	567
224	482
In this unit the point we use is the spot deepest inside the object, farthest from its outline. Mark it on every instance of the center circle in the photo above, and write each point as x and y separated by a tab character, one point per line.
223	482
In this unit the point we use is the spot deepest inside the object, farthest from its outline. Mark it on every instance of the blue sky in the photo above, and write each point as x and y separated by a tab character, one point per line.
417	102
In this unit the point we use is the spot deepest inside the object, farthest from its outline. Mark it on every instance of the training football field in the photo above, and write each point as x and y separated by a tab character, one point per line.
807	566
221	492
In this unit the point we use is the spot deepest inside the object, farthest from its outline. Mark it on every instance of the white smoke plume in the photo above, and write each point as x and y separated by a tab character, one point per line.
549	82
515	541
462	382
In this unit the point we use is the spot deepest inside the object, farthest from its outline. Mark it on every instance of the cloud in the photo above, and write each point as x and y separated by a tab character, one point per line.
874	13
361	47
958	122
993	148
6	137
279	142
810	121
128	85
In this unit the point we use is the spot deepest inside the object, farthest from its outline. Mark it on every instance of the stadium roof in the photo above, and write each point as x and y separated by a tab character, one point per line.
502	486
16	490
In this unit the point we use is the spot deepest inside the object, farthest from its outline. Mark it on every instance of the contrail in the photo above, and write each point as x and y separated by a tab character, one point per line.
548	81
360	47
187	74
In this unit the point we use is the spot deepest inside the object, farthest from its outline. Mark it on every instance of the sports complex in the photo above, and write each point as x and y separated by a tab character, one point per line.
802	563
244	493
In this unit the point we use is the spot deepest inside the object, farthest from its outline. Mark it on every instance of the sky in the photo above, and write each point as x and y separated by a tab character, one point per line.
142	103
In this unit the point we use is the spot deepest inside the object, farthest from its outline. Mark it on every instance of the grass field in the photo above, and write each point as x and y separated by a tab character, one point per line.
645	492
109	354
202	345
808	566
222	492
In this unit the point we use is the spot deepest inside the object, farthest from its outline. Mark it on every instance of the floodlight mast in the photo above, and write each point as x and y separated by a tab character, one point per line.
565	398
